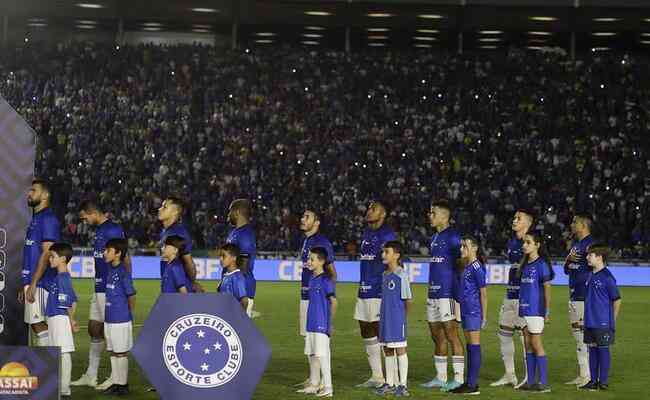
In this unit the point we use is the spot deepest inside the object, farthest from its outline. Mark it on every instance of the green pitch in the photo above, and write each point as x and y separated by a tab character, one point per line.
278	303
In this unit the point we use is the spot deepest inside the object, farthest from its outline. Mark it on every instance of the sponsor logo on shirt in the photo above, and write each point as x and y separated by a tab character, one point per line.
527	280
367	257
437	259
110	286
29	242
98	254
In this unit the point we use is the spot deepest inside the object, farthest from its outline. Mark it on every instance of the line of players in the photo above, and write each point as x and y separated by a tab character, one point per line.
443	303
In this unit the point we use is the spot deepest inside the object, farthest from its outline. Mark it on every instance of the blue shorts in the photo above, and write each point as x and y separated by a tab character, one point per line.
471	323
599	337
251	285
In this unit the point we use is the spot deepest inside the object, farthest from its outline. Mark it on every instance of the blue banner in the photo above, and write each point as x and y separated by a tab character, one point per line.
29	373
347	271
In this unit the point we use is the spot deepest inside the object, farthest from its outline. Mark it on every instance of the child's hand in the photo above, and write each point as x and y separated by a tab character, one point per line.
196	286
74	325
484	324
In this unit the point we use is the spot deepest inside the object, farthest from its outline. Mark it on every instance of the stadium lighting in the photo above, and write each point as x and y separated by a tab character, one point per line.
422	45
489	40
489	47
490	32
645	34
200	30
262	41
425	38
37	24
86	22
543	19
90	5
376	44
377	37
318	13
431	16
540	33
36	20
604	34
152	24
378	29
199	26
310	43
204	10
427	31
264	34
595	49
152	28
645	42
86	26
314	28
606	19
379	15
312	35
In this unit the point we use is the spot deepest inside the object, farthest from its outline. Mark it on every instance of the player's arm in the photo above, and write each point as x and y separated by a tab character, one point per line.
333	306
331	269
245	263
189	267
128	266
484	302
408	304
547	300
182	290
617	307
244	302
71	312
131	300
40	270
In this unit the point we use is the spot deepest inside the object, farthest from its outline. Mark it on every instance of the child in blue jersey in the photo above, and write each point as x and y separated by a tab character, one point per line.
473	308
60	309
536	274
174	278
233	280
602	305
395	303
320	317
120	304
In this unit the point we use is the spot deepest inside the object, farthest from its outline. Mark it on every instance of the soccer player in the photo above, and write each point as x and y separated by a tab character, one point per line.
233	281
509	320
602	305
369	296
92	214
320	324
174	279
43	231
169	214
310	224
441	309
535	274
473	308
60	310
243	235
578	270
120	305
396	298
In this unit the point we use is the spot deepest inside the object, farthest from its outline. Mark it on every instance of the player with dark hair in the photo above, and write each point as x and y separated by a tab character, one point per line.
441	306
43	231
509	320
243	235
232	280
174	278
369	296
93	214
576	267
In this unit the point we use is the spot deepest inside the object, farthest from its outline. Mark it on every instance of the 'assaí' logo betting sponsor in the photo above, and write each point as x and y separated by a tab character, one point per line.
15	379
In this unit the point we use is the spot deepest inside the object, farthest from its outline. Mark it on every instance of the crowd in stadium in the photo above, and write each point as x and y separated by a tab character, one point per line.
291	127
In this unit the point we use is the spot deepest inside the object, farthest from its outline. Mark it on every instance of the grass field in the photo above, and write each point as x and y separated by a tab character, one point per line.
278	303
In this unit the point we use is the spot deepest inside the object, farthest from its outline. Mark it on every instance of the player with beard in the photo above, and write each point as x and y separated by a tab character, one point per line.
243	235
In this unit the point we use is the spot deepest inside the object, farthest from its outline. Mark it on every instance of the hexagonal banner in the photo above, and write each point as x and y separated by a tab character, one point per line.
201	346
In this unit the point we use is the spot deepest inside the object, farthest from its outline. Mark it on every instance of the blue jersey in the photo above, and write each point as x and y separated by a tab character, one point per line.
602	292
471	282
244	238
61	296
176	229
372	267
445	251
119	288
105	232
321	289
234	283
395	289
579	271
175	278
316	240
44	227
531	293
515	253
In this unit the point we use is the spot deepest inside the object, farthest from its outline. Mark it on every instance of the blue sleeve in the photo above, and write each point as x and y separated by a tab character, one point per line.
178	277
127	284
66	295
390	235
454	246
246	245
239	288
51	229
330	251
546	275
330	288
479	276
116	233
406	286
612	289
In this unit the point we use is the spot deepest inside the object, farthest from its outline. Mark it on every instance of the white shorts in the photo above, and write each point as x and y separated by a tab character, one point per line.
249	308
317	344
119	337
35	312
509	314
60	333
535	325
367	310
459	318
441	310
577	312
302	317
97	307
394	345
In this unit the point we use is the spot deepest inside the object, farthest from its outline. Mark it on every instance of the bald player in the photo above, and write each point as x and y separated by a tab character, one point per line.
243	235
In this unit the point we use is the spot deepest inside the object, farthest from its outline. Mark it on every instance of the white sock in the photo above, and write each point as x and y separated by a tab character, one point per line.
507	350
459	368
122	373
582	353
94	357
403	363
441	368
523	346
326	371
374	357
314	371
391	370
43	339
114	367
66	372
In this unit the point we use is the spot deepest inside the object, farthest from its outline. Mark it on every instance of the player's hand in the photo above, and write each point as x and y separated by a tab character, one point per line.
21	296
331	331
196	286
484	324
74	325
29	293
573	256
547	319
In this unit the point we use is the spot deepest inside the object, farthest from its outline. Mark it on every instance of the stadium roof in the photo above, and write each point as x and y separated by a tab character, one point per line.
485	23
